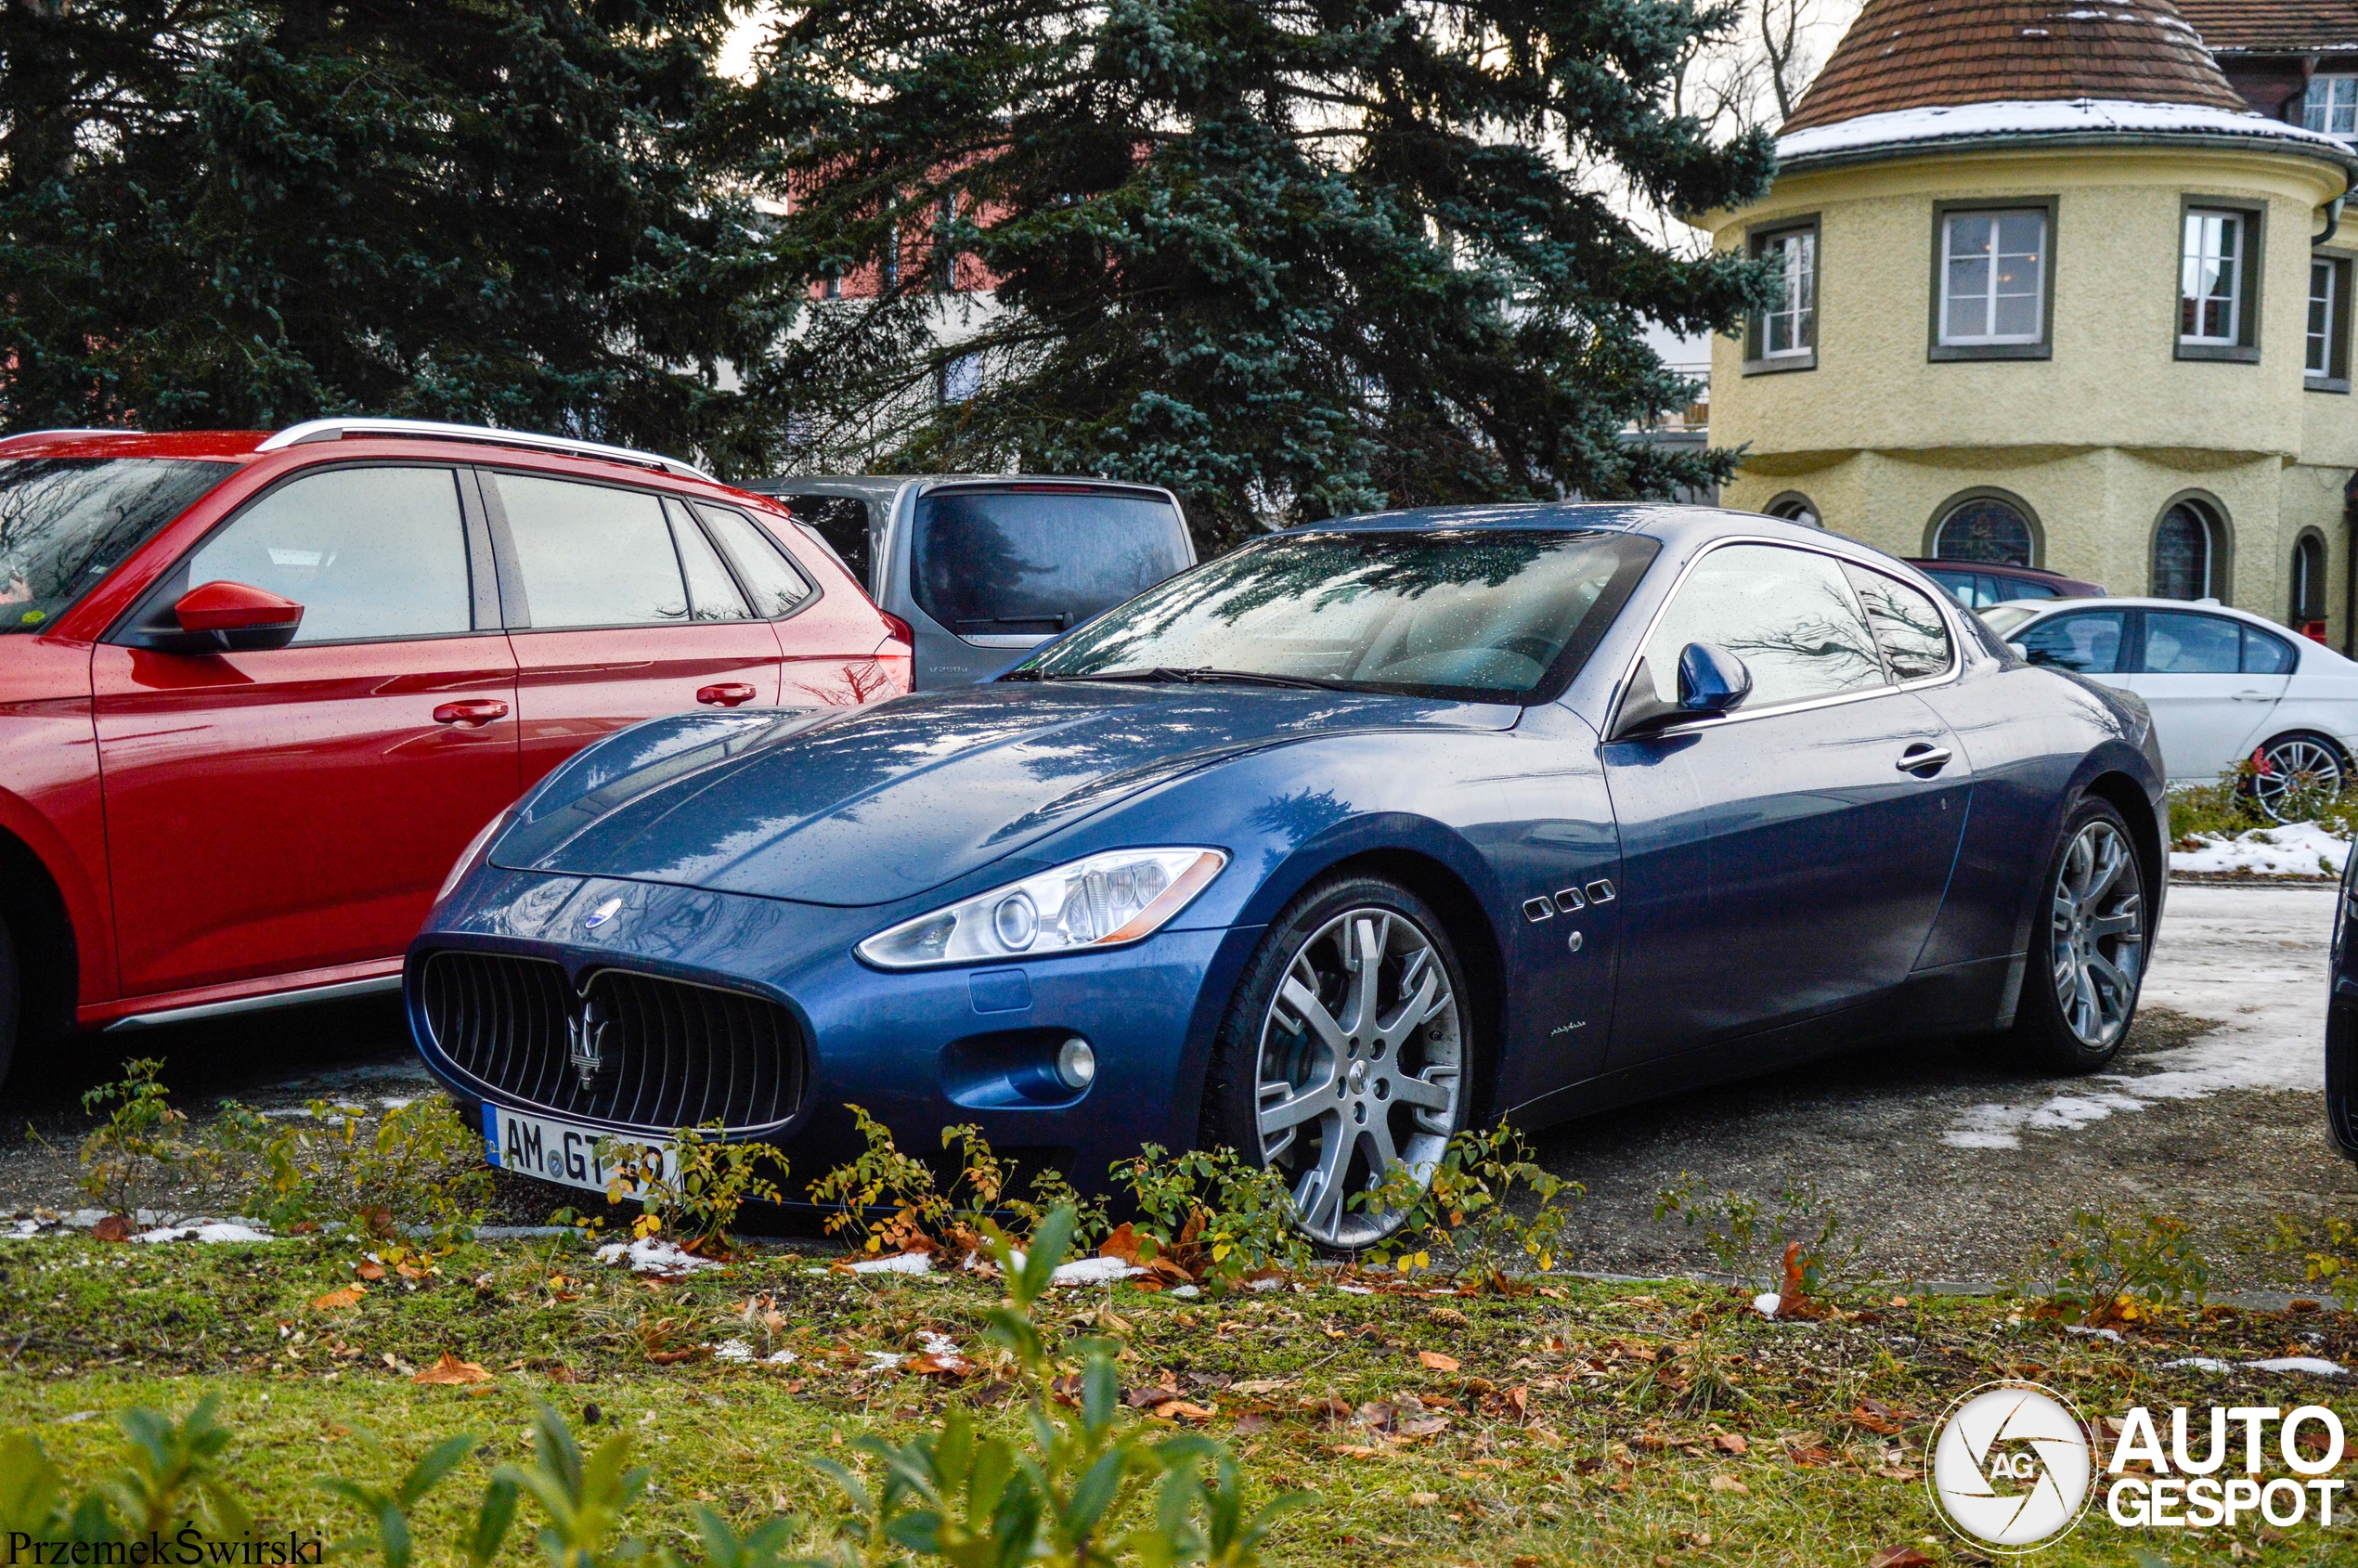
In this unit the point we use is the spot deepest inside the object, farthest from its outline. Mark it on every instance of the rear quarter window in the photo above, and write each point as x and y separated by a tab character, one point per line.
1018	561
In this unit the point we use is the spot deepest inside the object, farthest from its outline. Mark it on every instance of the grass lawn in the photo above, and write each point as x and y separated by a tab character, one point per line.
1580	1423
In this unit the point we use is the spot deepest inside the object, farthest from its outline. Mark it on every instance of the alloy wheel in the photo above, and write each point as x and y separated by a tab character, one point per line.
2099	934
2294	778
1361	1067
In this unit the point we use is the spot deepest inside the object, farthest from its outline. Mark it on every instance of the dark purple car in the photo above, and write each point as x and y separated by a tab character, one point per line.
1980	584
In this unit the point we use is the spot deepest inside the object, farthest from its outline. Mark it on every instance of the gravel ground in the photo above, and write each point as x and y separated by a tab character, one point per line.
1946	1164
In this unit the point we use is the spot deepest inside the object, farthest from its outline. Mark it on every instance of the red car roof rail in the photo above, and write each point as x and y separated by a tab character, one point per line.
36	435
430	430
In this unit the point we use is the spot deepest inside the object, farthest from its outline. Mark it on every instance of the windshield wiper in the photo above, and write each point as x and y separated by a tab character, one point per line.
1200	675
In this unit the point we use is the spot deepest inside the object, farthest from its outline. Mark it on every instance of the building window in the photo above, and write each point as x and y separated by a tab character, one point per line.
1784	336
2308	579
2187	551
1794	507
2326	363
1993	278
2332	105
2218	265
1984	528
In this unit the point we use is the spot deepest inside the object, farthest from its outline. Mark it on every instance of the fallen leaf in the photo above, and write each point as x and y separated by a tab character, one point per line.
450	1369
371	1270
1250	1425
1900	1556
1424	1500
1150	1398
1424	1426
1874	1420
348	1295
932	1366
1261	1385
1180	1409
1728	1484
1122	1244
1437	1362
1728	1443
1354	1451
563	1374
114	1227
673	1358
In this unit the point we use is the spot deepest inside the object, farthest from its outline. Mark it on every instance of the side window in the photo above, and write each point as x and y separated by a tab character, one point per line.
712	595
2015	587
1907	625
842	521
762	567
2087	645
367	552
1788	614
592	555
2179	643
2264	655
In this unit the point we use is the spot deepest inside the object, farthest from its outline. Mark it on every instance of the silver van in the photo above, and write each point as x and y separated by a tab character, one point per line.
982	568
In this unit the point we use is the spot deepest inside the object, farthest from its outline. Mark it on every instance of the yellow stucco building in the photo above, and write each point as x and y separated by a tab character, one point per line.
2052	294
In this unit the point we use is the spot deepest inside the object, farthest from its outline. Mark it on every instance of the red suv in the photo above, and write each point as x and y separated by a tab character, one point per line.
262	690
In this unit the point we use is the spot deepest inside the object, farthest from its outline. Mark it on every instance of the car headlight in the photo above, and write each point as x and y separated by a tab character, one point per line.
1104	900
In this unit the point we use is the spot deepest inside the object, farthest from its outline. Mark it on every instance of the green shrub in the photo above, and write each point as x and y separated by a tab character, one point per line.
1211	1214
143	1158
890	1202
1745	1234
1470	1211
710	1179
2108	1270
2326	1251
419	1167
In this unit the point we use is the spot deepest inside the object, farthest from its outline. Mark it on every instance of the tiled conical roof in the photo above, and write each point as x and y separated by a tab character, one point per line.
1923	54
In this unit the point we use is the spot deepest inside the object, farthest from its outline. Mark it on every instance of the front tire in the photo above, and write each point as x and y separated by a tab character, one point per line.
1347	1047
2088	958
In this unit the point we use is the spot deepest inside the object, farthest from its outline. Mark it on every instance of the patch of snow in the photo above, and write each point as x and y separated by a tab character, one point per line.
883	1360
209	1230
899	1262
1095	1271
2316	1365
2201	1362
934	1344
778	1358
2112	1334
2036	33
1189	1290
1767	1303
1346	1289
1908	127
2293	849
732	1350
2253	958
653	1255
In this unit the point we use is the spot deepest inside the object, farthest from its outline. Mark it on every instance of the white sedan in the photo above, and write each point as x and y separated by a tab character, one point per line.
2223	685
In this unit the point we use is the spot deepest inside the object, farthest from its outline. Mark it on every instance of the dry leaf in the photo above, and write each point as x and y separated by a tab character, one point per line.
1354	1451
1424	1426
348	1295
1728	1443
1437	1362
114	1227
1728	1484
450	1369
1179	1409
1150	1398
371	1270
1900	1556
1261	1385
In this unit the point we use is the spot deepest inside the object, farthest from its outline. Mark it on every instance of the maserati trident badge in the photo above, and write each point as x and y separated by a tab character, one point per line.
586	1029
600	914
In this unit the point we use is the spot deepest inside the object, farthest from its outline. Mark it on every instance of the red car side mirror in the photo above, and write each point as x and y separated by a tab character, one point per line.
237	619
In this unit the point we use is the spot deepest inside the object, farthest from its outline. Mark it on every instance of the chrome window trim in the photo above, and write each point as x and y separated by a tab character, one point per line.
1621	686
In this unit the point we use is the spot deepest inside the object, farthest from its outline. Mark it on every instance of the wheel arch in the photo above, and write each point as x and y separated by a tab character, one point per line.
2126	796
48	954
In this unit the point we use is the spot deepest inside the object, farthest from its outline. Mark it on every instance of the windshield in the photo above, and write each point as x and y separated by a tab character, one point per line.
1480	615
1040	560
65	523
2003	618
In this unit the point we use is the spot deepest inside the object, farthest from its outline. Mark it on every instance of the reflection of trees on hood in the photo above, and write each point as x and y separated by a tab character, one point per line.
1316	573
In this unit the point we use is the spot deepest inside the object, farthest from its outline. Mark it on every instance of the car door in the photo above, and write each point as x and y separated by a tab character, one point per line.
295	809
1787	859
829	640
2097	643
620	608
982	572
2210	702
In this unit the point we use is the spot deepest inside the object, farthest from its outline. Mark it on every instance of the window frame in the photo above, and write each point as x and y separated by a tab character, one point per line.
2303	542
696	505
2250	266
1757	361
2329	77
2218	539
1966	497
484	569
1936	349
2245	632
2335	377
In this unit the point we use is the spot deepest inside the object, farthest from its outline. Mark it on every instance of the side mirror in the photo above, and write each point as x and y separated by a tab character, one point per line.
232	617
2019	650
1711	679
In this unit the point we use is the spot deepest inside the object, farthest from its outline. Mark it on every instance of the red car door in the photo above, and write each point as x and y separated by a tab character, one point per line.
619	608
277	812
830	634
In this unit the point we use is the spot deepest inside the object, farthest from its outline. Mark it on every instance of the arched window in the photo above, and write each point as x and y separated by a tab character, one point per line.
1984	528
2186	553
1794	507
2308	580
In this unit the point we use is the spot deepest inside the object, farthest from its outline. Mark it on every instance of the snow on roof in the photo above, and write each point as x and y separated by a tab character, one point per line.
2107	118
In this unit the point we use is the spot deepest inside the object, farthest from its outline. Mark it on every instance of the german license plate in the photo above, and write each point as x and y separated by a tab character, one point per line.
557	1151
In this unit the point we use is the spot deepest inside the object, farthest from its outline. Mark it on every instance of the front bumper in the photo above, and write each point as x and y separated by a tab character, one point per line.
919	1050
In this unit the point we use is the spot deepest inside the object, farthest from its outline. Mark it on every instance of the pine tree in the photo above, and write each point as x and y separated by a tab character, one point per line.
243	214
1293	259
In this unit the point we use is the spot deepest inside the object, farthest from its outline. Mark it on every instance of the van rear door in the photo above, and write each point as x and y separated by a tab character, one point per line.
983	571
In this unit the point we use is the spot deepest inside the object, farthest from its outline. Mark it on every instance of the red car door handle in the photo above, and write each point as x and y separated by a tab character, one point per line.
477	713
728	695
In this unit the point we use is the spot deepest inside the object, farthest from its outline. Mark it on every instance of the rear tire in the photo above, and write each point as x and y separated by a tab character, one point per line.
2304	773
1326	1069
2087	960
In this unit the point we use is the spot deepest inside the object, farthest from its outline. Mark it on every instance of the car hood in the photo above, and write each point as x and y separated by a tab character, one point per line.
869	806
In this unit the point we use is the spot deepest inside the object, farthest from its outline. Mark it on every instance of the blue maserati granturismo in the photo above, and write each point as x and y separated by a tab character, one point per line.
1322	850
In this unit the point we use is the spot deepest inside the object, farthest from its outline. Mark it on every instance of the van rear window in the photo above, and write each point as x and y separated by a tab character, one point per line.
842	521
1036	560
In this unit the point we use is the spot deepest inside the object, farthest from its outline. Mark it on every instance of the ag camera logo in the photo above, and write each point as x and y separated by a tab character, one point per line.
2012	1467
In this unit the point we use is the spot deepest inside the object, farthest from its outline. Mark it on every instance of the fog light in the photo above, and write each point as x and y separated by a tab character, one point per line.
1076	1064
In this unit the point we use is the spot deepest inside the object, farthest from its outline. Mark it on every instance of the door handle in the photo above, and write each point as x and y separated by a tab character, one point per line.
2254	697
474	714
1924	760
728	694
